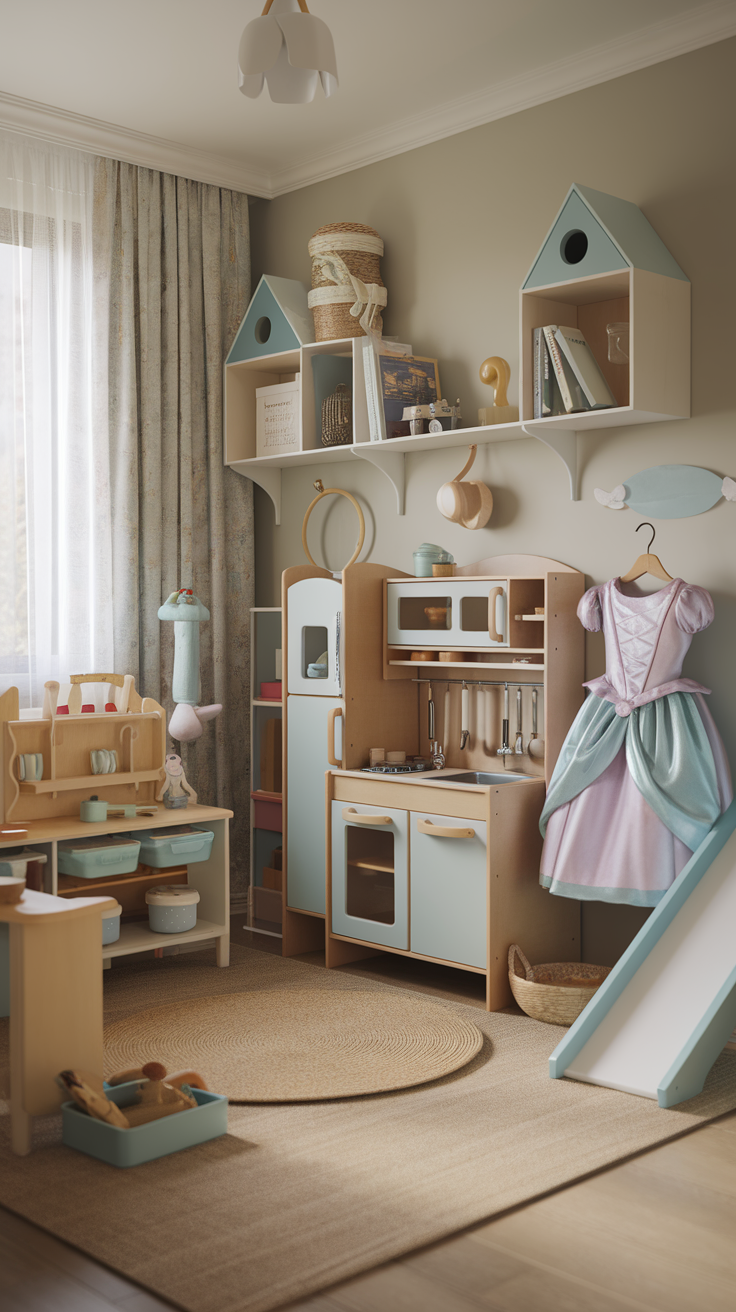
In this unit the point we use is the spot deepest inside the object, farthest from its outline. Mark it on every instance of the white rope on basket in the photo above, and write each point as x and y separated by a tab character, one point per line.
351	241
347	287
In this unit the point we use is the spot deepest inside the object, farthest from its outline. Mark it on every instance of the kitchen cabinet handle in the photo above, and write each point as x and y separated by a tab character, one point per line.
337	710
492	630
350	814
443	831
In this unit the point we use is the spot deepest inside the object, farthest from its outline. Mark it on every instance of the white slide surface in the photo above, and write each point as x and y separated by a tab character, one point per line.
663	1015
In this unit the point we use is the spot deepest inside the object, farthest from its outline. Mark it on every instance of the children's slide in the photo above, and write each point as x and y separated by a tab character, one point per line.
663	1015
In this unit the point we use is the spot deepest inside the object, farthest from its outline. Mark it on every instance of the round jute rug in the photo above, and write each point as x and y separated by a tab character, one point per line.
298	1045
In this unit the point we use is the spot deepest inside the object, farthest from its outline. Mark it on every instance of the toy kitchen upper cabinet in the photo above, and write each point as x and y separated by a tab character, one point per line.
452	612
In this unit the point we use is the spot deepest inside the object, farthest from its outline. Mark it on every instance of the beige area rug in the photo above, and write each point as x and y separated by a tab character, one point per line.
298	1196
335	1044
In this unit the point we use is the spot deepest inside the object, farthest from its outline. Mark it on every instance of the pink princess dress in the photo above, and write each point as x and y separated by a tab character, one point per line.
642	774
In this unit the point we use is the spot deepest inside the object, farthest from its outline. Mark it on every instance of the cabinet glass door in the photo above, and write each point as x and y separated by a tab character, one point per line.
448	613
448	888
369	873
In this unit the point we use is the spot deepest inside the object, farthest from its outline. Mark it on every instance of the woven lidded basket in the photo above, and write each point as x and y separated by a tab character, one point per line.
337	417
341	253
555	992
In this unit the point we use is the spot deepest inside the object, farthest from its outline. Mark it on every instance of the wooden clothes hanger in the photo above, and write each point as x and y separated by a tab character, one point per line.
647	564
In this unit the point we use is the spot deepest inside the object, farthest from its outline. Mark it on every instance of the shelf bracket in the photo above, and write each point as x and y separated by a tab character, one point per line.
390	463
563	441
267	478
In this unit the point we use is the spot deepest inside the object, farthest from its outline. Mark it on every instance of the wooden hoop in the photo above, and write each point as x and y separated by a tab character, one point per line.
326	492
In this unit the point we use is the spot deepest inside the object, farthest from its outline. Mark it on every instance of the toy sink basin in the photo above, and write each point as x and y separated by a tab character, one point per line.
477	777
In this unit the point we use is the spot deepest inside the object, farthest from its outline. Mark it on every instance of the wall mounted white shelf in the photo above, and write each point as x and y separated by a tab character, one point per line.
624	274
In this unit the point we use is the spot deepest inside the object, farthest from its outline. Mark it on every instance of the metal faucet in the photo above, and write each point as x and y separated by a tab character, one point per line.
438	756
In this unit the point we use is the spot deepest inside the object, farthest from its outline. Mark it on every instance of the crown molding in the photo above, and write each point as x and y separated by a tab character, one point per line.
701	26
64	128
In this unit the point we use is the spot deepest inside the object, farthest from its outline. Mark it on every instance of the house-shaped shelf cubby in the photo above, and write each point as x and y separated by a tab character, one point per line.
602	263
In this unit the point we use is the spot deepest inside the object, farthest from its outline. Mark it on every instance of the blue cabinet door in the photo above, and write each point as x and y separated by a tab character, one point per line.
448	889
307	723
370	873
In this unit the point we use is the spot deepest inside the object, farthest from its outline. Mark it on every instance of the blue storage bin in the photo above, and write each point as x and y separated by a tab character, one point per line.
184	844
143	1143
95	858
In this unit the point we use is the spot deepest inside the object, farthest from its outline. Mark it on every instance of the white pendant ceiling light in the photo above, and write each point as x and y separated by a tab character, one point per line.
290	50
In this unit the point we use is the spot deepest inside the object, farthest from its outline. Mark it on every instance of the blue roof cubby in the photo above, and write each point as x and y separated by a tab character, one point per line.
277	319
595	233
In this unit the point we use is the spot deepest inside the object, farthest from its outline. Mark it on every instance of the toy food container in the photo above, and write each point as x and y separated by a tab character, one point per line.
427	555
111	924
170	847
172	908
96	858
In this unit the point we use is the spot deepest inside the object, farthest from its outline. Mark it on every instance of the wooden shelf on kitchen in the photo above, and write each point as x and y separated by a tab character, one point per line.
81	781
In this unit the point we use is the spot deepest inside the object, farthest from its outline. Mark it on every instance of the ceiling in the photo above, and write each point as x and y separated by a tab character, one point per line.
155	81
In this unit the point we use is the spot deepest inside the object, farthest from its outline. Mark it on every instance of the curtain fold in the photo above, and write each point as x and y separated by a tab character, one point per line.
172	283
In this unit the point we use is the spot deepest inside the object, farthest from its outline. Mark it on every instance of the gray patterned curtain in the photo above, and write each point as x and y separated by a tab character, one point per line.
172	283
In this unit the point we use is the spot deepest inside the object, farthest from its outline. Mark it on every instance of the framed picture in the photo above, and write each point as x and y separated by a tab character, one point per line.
406	380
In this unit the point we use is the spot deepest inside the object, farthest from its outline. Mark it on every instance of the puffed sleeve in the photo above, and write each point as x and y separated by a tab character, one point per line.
693	609
589	610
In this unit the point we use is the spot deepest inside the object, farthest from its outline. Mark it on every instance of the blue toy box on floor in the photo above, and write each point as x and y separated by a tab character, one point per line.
143	1143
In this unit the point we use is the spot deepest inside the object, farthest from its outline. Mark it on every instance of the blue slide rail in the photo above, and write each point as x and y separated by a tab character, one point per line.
686	1076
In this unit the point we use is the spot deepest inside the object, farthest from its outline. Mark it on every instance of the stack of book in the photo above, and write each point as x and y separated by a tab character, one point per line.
567	376
395	379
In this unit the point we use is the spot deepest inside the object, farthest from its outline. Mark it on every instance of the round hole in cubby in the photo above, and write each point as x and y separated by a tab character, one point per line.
574	246
263	330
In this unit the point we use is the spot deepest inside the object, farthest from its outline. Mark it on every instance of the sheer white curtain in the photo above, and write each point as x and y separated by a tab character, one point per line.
55	534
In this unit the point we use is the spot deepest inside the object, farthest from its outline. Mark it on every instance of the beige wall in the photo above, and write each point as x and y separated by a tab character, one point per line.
462	220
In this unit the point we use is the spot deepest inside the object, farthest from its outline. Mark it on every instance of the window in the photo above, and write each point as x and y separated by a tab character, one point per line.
55	571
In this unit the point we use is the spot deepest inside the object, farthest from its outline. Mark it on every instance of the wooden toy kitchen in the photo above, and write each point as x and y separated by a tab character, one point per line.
432	854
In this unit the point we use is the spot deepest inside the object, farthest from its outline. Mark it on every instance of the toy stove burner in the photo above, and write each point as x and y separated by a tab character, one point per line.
409	767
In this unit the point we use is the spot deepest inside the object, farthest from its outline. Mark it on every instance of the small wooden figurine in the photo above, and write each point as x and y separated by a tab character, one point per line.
174	788
495	372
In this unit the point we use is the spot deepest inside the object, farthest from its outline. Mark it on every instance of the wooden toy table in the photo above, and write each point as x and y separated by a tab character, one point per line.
55	1000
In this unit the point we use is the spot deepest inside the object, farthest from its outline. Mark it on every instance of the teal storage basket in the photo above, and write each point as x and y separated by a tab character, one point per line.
173	847
143	1143
95	858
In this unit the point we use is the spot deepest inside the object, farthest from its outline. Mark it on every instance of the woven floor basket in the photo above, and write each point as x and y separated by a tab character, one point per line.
556	992
360	249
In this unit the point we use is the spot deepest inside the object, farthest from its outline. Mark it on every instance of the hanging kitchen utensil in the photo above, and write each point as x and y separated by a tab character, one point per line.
536	744
464	717
518	741
505	749
430	716
468	504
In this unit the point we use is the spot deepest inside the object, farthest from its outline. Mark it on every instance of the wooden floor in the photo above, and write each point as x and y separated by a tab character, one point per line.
657	1233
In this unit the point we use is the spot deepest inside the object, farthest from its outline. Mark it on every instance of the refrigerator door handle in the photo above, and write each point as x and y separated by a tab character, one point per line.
334	714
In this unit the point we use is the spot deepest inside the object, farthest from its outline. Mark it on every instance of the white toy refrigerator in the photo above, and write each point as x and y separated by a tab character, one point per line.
337	706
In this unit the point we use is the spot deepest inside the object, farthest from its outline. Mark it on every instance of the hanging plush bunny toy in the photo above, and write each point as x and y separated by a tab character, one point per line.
187	612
